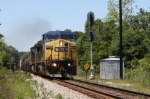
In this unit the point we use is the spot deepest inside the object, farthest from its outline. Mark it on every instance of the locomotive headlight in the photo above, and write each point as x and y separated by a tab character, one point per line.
54	64
61	43
69	64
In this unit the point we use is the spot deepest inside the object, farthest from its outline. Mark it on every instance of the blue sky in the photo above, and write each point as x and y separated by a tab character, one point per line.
24	21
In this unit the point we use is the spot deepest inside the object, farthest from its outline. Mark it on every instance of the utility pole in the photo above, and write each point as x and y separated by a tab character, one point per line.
10	66
121	48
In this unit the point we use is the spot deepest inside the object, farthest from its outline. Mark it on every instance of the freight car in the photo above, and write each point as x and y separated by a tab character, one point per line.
54	55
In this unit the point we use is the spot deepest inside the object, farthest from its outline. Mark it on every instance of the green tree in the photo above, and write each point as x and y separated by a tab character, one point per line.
2	45
135	40
78	34
113	8
10	56
67	30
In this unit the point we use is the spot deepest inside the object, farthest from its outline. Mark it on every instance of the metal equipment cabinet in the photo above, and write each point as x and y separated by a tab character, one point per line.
110	68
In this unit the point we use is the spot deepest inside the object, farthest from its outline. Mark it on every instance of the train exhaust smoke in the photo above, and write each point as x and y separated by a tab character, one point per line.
26	34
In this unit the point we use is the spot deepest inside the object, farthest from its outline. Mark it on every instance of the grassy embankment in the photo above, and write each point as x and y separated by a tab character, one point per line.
15	86
137	80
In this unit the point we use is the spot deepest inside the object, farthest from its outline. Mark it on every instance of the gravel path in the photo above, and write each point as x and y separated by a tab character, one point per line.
49	90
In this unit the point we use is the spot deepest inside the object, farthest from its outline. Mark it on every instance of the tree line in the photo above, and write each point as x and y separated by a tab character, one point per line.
8	54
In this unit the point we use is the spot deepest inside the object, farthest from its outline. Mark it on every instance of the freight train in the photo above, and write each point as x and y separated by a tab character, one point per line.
54	55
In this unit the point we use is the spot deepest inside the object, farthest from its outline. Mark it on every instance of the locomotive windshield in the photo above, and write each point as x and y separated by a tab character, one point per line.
52	36
60	35
65	36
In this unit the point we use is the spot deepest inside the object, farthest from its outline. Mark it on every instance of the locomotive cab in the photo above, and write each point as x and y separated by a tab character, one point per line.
60	53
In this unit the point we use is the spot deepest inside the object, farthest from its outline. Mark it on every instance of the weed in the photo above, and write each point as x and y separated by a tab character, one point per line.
51	93
58	96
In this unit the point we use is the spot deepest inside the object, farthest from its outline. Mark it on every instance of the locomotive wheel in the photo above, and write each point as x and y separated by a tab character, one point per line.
41	69
33	69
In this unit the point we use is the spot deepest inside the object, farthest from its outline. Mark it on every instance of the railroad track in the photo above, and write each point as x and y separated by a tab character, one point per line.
101	91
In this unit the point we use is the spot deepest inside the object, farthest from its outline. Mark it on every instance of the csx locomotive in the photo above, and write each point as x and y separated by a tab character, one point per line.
54	55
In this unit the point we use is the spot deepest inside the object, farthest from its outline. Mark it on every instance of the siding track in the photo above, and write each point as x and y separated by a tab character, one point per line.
98	91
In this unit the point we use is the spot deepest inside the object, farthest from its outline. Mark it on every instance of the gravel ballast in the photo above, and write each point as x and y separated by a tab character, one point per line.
49	90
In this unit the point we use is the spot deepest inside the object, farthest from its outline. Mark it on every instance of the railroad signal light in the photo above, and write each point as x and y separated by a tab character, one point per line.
91	35
90	18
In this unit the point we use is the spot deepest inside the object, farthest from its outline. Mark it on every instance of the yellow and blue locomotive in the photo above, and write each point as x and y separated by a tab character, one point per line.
54	55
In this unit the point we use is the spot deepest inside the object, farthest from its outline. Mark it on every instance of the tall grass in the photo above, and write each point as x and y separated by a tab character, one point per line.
14	85
140	72
20	86
5	91
138	76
